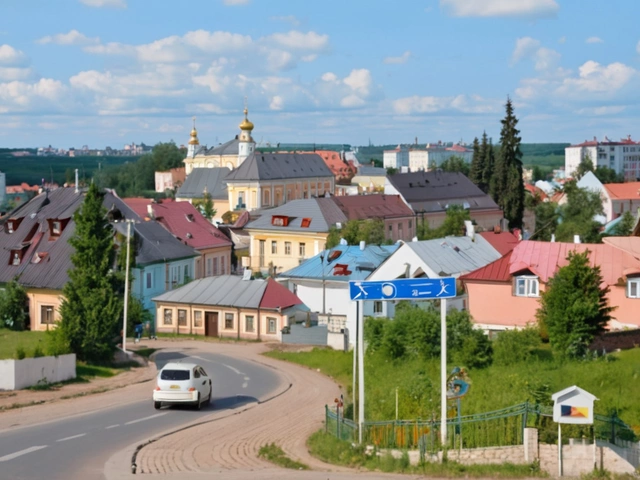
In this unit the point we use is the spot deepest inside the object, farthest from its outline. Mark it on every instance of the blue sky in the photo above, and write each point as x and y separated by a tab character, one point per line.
110	72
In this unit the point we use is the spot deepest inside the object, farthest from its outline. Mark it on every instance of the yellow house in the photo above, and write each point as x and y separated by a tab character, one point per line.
285	236
227	306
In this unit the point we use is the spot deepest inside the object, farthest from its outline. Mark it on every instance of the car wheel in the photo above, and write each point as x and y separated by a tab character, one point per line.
198	403
157	405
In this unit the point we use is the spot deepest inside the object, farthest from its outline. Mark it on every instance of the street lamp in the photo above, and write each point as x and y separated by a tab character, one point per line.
126	286
322	255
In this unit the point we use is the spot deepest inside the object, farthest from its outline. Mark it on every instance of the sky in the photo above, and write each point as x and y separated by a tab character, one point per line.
112	72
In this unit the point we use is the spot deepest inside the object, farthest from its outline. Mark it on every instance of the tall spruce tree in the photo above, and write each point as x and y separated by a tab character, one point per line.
507	188
489	162
477	164
93	298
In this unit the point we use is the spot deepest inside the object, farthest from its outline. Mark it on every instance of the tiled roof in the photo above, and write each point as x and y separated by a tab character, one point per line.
623	191
503	242
199	178
322	212
497	271
433	191
278	296
277	166
339	167
185	222
360	263
360	207
228	148
544	258
369	171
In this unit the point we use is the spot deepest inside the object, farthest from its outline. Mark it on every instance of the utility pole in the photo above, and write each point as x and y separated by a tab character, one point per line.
126	287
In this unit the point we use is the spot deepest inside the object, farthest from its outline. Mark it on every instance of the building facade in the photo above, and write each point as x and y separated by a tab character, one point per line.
622	156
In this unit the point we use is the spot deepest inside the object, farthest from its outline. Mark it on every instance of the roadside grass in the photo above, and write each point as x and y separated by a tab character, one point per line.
12	342
332	450
193	336
612	378
84	374
145	352
274	454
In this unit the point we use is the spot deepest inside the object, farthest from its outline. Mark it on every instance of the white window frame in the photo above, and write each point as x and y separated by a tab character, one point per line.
530	286
287	248
378	307
635	282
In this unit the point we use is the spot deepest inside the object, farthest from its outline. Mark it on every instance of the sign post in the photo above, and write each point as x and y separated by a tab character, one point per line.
404	289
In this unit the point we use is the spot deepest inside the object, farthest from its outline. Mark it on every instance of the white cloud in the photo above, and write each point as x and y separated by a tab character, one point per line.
352	101
468	104
10	56
398	60
292	19
500	8
562	40
638	47
105	3
43	95
236	2
300	41
360	81
546	59
596	78
594	40
525	47
8	74
74	37
329	77
277	103
603	111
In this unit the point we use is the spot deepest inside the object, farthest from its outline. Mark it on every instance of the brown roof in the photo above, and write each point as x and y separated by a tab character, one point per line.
360	207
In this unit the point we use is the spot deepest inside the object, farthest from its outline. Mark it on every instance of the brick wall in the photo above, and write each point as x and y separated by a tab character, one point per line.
610	341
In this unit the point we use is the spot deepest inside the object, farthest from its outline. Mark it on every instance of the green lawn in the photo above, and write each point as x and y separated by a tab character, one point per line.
613	379
10	341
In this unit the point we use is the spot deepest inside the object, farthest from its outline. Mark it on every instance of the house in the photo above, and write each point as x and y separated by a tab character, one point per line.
169	180
396	158
206	180
285	236
505	293
187	224
272	179
429	194
399	220
434	155
370	179
620	198
322	282
502	241
342	171
227	306
622	156
441	257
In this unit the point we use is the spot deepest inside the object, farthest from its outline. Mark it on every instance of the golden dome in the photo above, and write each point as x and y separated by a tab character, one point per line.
194	134
246	124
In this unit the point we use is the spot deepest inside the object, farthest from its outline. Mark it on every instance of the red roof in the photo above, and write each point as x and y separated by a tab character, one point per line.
545	258
359	207
340	168
623	191
503	242
458	148
276	295
183	220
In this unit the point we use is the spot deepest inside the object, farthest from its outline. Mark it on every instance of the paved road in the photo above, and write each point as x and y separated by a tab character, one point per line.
78	446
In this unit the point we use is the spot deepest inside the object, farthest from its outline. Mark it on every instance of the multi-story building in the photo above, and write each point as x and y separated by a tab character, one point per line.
622	156
435	155
396	158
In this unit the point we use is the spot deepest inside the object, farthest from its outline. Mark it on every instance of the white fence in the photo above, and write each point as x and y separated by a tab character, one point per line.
18	374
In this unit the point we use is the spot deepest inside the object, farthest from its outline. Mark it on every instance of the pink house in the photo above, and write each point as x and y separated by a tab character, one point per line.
505	293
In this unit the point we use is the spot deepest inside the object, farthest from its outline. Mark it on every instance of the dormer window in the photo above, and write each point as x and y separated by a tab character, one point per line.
15	258
190	217
526	286
306	222
280	220
56	226
341	269
10	226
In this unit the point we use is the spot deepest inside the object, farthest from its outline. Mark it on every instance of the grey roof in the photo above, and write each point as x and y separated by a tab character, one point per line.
276	166
433	191
228	148
368	171
323	215
199	178
455	255
224	290
154	243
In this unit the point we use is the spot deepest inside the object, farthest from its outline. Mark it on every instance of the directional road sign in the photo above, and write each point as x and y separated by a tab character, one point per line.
403	289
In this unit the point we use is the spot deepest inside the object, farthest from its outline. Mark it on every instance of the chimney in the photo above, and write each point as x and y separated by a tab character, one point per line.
553	238
576	239
363	244
471	230
77	181
150	210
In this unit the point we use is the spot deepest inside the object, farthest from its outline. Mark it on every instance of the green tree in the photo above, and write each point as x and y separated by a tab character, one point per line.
455	164
507	187
538	173
625	226
91	311
515	346
391	171
577	215
205	206
453	224
574	308
370	231
608	175
585	165
13	306
489	163
546	221
477	164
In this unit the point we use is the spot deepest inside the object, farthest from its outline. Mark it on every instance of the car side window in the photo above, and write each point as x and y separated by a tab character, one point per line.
202	372
196	373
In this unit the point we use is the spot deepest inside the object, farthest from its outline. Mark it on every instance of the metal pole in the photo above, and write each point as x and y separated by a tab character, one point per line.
559	449
126	289
396	403
443	371
361	368
355	363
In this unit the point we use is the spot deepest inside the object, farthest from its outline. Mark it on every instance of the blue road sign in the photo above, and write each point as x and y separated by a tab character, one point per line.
403	289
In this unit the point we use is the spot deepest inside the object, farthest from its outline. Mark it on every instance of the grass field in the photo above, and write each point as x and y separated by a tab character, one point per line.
10	341
613	379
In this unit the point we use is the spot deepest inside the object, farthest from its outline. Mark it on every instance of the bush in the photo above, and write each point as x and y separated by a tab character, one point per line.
20	353
37	352
515	346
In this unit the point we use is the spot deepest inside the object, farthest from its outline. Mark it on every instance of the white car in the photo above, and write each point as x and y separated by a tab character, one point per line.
185	383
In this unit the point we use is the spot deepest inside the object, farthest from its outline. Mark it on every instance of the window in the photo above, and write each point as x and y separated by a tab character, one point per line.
175	375
9	227
280	220
390	228
526	286
197	318
149	280
46	315
287	248
215	266
303	250
168	320
196	373
306	222
56	227
222	266
633	288
228	321
209	266
182	317
274	247
377	307
248	323
186	272
410	224
272	324
16	259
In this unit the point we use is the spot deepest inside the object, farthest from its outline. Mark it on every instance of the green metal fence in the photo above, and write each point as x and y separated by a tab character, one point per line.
502	427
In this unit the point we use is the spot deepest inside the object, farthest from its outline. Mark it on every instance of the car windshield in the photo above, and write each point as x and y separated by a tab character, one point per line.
174	375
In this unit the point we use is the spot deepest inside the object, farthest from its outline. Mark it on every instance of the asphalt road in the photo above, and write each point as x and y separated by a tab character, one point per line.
77	447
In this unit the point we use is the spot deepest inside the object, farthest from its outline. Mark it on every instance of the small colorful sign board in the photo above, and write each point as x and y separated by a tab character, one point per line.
573	405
